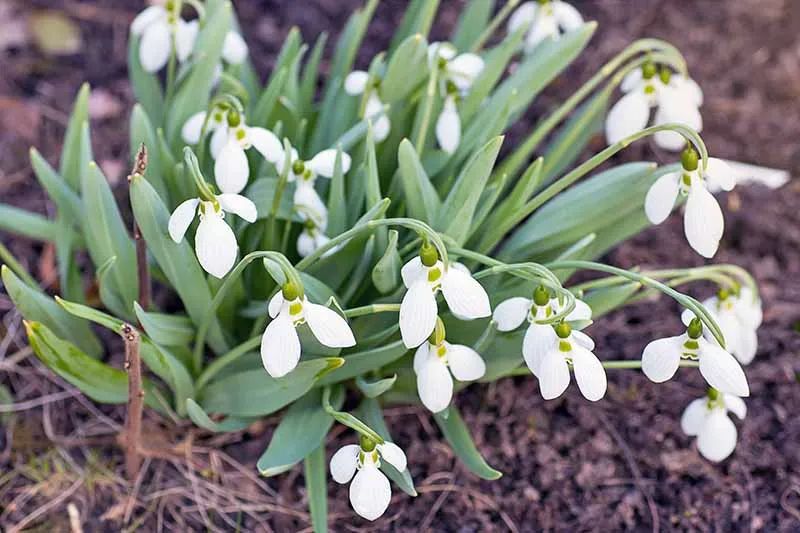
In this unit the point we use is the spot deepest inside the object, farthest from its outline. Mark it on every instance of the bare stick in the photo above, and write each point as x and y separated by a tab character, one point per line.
133	420
143	273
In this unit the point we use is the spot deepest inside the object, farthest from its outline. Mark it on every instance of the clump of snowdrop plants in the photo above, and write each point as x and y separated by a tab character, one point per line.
423	261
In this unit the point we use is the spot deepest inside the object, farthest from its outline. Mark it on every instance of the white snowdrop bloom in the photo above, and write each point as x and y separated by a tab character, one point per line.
214	243
193	127
370	492
707	419
448	126
355	84
546	20
157	25
738	316
703	222
675	98
289	308
571	348
434	364
234	49
423	277
315	224
661	359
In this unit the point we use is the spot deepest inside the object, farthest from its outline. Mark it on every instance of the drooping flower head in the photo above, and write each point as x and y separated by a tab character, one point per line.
707	419
313	236
370	492
158	27
358	82
546	19
675	98
703	222
661	359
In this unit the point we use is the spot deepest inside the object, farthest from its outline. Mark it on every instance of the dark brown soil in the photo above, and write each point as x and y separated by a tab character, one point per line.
619	464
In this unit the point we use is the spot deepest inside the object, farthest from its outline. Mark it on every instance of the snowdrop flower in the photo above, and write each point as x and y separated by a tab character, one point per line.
435	361
547	20
703	223
457	74
214	243
738	316
424	276
157	25
370	492
356	83
676	99
234	49
313	235
661	359
289	308
707	419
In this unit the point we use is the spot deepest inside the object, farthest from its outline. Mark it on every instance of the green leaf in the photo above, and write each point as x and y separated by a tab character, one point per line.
606	299
146	86
407	68
308	84
262	191
422	200
373	389
317	489
65	198
370	411
471	22
266	102
457	434
200	418
337	206
30	225
143	133
256	393
74	152
361	362
165	329
417	20
36	306
301	431
386	273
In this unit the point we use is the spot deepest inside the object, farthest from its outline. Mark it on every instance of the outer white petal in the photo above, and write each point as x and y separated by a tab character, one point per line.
735	405
703	223
567	16
267	144
392	454
190	132
464	295
309	204
719	173
356	82
464	70
417	314
717	438
465	363
231	168
344	463
370	493
539	341
328	326
306	244
627	116
690	88
381	128
181	218
721	370
234	49
511	313
215	245
687	114
661	358
413	270
280	347
435	385
694	416
687	315
148	16
238	205
582	310
324	163
661	197
747	346
523	15
544	27
155	46
448	127
553	374
185	37
632	80
748	307
275	304
589	373
218	140
583	339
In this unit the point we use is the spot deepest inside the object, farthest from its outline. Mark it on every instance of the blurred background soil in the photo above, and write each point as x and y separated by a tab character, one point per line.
619	464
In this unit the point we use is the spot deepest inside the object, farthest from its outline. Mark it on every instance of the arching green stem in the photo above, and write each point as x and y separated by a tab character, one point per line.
221	362
372	309
498	19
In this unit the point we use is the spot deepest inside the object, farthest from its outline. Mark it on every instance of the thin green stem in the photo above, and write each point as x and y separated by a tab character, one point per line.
372	309
11	262
427	110
498	19
221	362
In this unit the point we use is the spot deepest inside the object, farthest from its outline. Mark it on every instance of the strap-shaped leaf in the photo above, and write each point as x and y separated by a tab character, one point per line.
75	152
146	86
315	468
471	22
407	67
457	434
27	224
386	273
606	299
418	19
360	362
142	132
202	419
422	200
165	329
373	389
65	198
337	205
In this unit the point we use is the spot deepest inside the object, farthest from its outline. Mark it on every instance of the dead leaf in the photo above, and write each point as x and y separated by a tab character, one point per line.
55	33
20	118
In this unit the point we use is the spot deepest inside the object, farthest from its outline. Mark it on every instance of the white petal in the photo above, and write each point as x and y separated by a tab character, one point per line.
539	341
632	80
308	203
720	174
703	223
464	69
747	345
589	373
215	245
465	363
511	313
628	116
356	82
748	307
267	144
661	197
324	163
185	37
231	169
464	295
147	17
522	16
694	416
421	356
280	347
582	310
218	140
582	339
181	218
370	493
306	244
155	46
721	370
413	270
381	128
328	326
190	132
238	205
661	358
693	92
417	314
275	304
687	315
567	16
553	374
435	385
688	115
717	438
448	127
392	454
234	49
544	27
735	405
344	462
